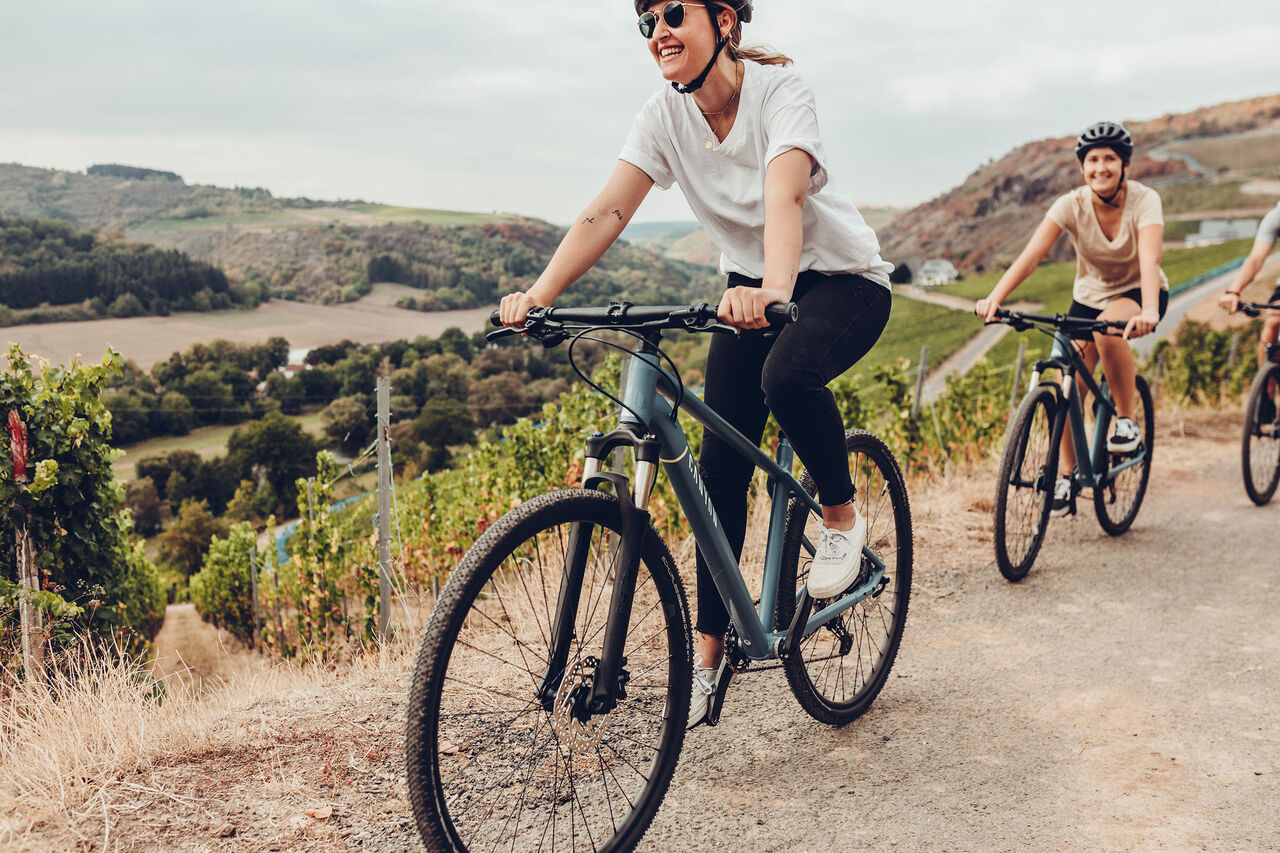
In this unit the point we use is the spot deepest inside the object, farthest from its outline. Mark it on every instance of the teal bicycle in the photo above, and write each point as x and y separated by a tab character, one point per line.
1029	464
551	690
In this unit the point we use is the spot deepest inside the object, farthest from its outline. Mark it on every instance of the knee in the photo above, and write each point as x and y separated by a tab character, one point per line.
784	385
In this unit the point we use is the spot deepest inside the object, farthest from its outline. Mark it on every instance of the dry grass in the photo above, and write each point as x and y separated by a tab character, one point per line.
87	751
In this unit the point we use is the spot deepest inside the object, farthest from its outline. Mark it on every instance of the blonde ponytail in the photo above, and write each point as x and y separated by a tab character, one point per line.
755	53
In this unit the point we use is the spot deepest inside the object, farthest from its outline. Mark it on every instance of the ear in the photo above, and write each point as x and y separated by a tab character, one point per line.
725	20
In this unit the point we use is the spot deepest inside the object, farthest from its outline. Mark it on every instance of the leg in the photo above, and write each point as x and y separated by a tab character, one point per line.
733	392
1117	356
1270	330
841	318
1067	454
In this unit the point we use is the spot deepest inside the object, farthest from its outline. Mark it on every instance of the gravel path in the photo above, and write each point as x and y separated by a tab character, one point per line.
1122	697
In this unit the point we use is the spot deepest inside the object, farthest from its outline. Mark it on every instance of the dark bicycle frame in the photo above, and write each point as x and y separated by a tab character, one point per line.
648	424
1092	470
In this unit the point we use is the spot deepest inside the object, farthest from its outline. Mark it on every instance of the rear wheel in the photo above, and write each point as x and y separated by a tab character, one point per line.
1118	500
841	668
1024	491
1260	453
493	766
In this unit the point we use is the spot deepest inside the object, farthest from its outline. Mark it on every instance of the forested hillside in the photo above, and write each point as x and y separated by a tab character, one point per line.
332	251
116	197
50	264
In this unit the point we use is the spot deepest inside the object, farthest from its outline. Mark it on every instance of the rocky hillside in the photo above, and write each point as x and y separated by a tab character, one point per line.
987	219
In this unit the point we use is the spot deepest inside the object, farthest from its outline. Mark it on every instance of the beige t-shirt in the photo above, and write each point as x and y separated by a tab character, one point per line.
1106	269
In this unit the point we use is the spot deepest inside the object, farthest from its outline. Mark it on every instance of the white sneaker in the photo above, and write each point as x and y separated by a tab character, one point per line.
1126	437
839	557
1061	498
705	681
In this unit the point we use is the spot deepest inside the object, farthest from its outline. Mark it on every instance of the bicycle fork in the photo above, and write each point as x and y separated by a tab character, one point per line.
608	683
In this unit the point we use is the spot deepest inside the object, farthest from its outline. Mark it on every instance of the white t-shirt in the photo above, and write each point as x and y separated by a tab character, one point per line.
724	184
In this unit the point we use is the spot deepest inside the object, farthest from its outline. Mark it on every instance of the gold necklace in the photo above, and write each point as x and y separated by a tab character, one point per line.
707	116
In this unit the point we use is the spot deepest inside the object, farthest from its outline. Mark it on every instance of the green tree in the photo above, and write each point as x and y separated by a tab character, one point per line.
455	340
143	500
277	450
210	396
346	420
175	415
498	399
444	421
183	545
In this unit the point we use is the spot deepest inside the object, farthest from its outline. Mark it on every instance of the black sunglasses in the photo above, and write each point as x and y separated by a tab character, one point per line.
672	14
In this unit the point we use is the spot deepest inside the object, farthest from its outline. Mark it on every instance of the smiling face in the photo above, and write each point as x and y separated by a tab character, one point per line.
1102	169
683	52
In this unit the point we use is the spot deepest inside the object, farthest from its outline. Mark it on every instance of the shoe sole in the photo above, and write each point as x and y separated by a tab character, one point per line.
1123	448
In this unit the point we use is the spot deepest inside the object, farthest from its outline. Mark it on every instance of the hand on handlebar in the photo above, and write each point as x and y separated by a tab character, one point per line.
986	309
743	307
1141	324
1229	301
514	308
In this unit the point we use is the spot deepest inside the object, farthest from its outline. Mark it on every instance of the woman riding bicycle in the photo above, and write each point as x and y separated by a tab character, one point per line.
1117	228
739	134
1268	236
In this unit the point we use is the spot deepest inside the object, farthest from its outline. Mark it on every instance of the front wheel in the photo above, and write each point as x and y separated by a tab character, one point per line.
1024	490
491	764
840	669
1260	453
1119	496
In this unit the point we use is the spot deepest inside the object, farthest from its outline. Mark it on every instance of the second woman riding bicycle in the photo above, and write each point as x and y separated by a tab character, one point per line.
738	132
1117	227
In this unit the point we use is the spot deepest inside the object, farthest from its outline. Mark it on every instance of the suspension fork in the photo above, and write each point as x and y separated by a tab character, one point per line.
607	681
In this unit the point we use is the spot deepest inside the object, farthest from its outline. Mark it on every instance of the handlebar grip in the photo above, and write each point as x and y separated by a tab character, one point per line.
496	317
782	312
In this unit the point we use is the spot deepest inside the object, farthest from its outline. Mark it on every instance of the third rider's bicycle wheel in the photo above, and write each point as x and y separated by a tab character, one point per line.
1024	493
842	666
1118	501
491	765
1261	450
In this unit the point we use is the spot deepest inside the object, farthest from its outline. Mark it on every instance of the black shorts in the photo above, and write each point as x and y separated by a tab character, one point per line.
1079	310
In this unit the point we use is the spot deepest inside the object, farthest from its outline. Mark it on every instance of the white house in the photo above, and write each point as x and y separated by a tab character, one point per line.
1221	230
936	272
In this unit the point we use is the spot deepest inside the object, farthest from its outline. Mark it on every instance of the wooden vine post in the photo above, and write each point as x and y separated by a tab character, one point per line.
28	577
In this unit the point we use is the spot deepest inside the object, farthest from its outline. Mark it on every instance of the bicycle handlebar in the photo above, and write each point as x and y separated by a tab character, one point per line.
1254	309
1022	321
549	324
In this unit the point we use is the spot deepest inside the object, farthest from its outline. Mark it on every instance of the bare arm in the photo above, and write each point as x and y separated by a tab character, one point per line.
1150	251
1037	247
1248	271
786	183
586	241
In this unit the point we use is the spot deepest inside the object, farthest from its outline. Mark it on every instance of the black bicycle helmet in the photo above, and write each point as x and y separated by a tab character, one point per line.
741	8
1105	134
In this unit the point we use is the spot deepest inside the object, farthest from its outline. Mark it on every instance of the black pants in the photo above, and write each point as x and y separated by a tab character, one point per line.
749	376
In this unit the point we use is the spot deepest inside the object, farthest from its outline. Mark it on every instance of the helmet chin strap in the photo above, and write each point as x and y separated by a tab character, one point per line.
696	83
1110	200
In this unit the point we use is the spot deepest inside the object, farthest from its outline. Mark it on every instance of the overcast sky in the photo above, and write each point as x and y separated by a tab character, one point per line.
522	106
